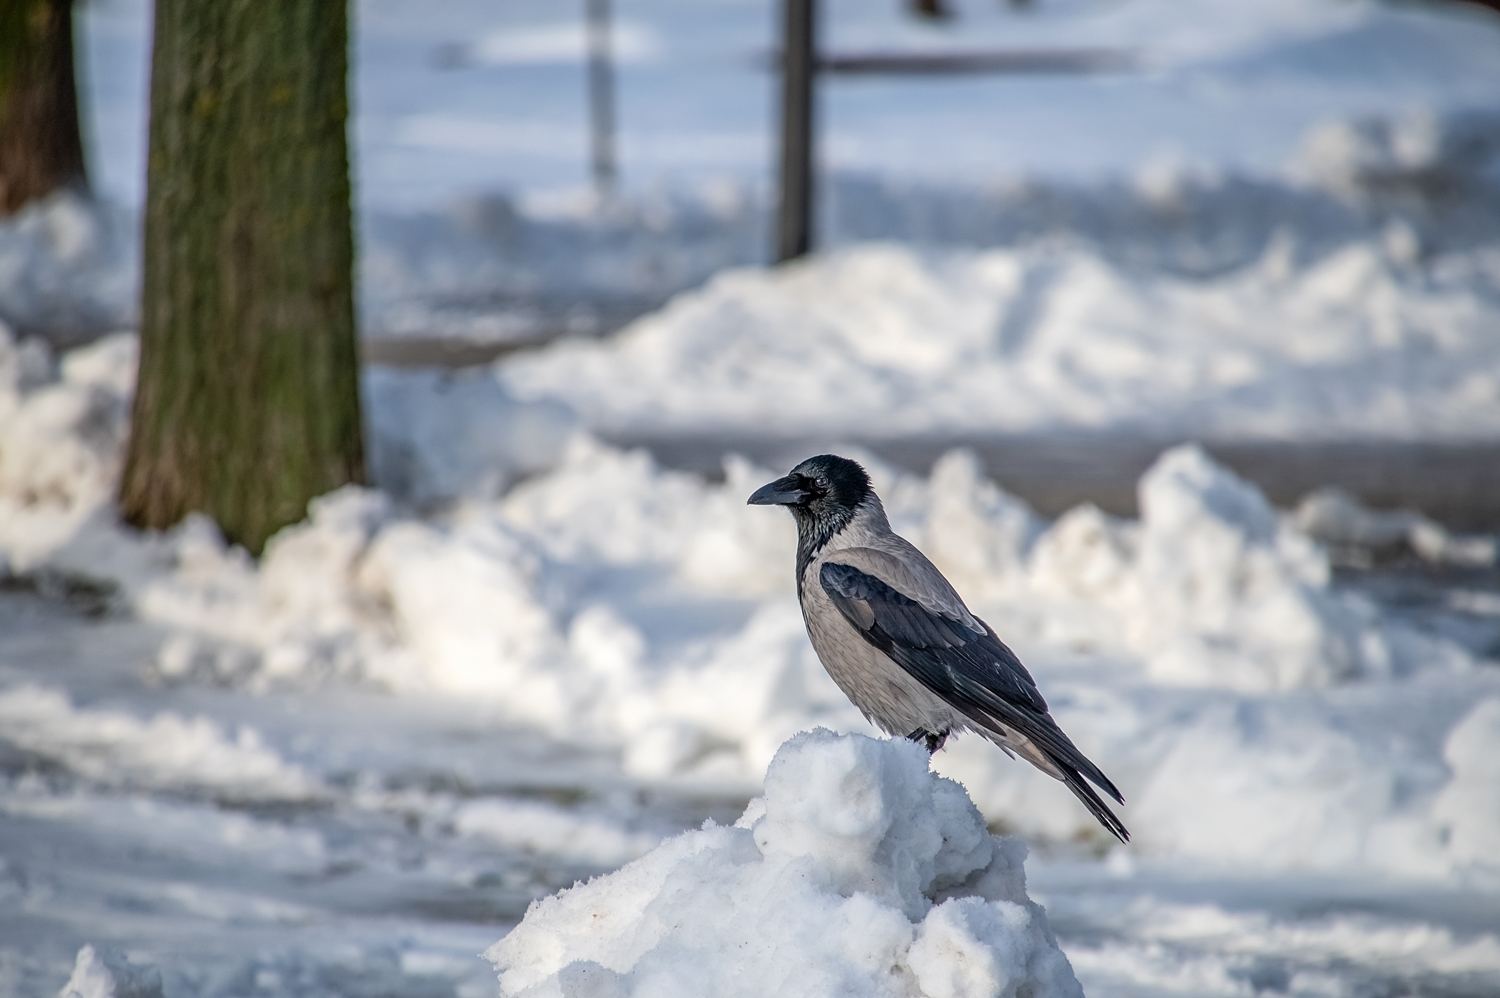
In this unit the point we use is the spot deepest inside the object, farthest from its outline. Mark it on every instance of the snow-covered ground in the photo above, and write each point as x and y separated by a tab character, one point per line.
528	657
348	767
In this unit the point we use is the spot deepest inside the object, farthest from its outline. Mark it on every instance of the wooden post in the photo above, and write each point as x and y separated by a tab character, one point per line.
798	54
601	99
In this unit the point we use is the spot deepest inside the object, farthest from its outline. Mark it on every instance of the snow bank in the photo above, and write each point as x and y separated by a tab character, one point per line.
858	872
434	437
885	339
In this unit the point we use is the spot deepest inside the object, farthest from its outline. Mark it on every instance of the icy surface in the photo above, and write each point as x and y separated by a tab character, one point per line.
858	872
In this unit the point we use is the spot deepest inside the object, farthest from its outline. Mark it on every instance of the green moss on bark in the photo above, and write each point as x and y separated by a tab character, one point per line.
247	400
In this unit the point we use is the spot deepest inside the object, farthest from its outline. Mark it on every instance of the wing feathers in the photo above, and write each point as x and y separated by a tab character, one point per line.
963	661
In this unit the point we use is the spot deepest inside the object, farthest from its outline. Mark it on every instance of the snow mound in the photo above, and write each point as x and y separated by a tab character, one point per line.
62	436
883	339
1209	586
105	973
434	437
1469	806
1336	519
857	873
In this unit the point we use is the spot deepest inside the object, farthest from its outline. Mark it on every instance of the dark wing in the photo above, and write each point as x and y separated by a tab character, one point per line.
973	671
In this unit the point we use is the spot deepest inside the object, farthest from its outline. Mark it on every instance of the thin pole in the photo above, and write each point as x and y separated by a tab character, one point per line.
601	99
794	213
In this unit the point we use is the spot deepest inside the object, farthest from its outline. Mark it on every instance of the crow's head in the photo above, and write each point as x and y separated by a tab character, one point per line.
822	492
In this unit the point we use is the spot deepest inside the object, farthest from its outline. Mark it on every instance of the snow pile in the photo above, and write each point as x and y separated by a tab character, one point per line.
62	436
1469	807
531	601
550	604
105	973
63	428
884	339
1336	519
1211	588
858	872
302	614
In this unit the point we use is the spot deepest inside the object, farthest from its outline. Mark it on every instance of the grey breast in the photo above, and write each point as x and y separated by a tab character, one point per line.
884	692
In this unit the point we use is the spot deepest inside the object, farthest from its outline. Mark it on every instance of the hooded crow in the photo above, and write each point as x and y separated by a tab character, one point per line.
900	643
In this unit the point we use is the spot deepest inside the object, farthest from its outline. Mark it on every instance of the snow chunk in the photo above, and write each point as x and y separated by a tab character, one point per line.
61	439
1469	807
859	872
1213	589
1334	517
105	973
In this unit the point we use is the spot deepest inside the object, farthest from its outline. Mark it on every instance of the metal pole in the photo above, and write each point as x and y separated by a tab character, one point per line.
794	213
601	99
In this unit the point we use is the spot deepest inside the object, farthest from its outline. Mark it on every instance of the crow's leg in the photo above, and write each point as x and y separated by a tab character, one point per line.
933	740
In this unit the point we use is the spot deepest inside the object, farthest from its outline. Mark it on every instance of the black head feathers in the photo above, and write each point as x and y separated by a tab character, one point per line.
833	481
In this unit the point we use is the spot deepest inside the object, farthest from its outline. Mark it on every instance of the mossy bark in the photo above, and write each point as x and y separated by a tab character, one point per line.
40	145
247	401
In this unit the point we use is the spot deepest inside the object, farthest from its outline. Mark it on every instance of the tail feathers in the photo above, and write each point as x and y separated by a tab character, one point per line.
1097	807
1041	742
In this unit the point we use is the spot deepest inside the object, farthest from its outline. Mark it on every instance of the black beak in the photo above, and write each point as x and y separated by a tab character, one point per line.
782	492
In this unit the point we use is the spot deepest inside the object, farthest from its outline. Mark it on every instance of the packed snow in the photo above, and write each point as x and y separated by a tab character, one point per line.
858	872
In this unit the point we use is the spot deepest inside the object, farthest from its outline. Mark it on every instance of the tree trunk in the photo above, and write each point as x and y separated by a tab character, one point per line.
40	146
247	401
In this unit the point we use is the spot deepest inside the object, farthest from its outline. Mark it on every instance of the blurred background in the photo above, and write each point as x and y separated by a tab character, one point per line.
1171	330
